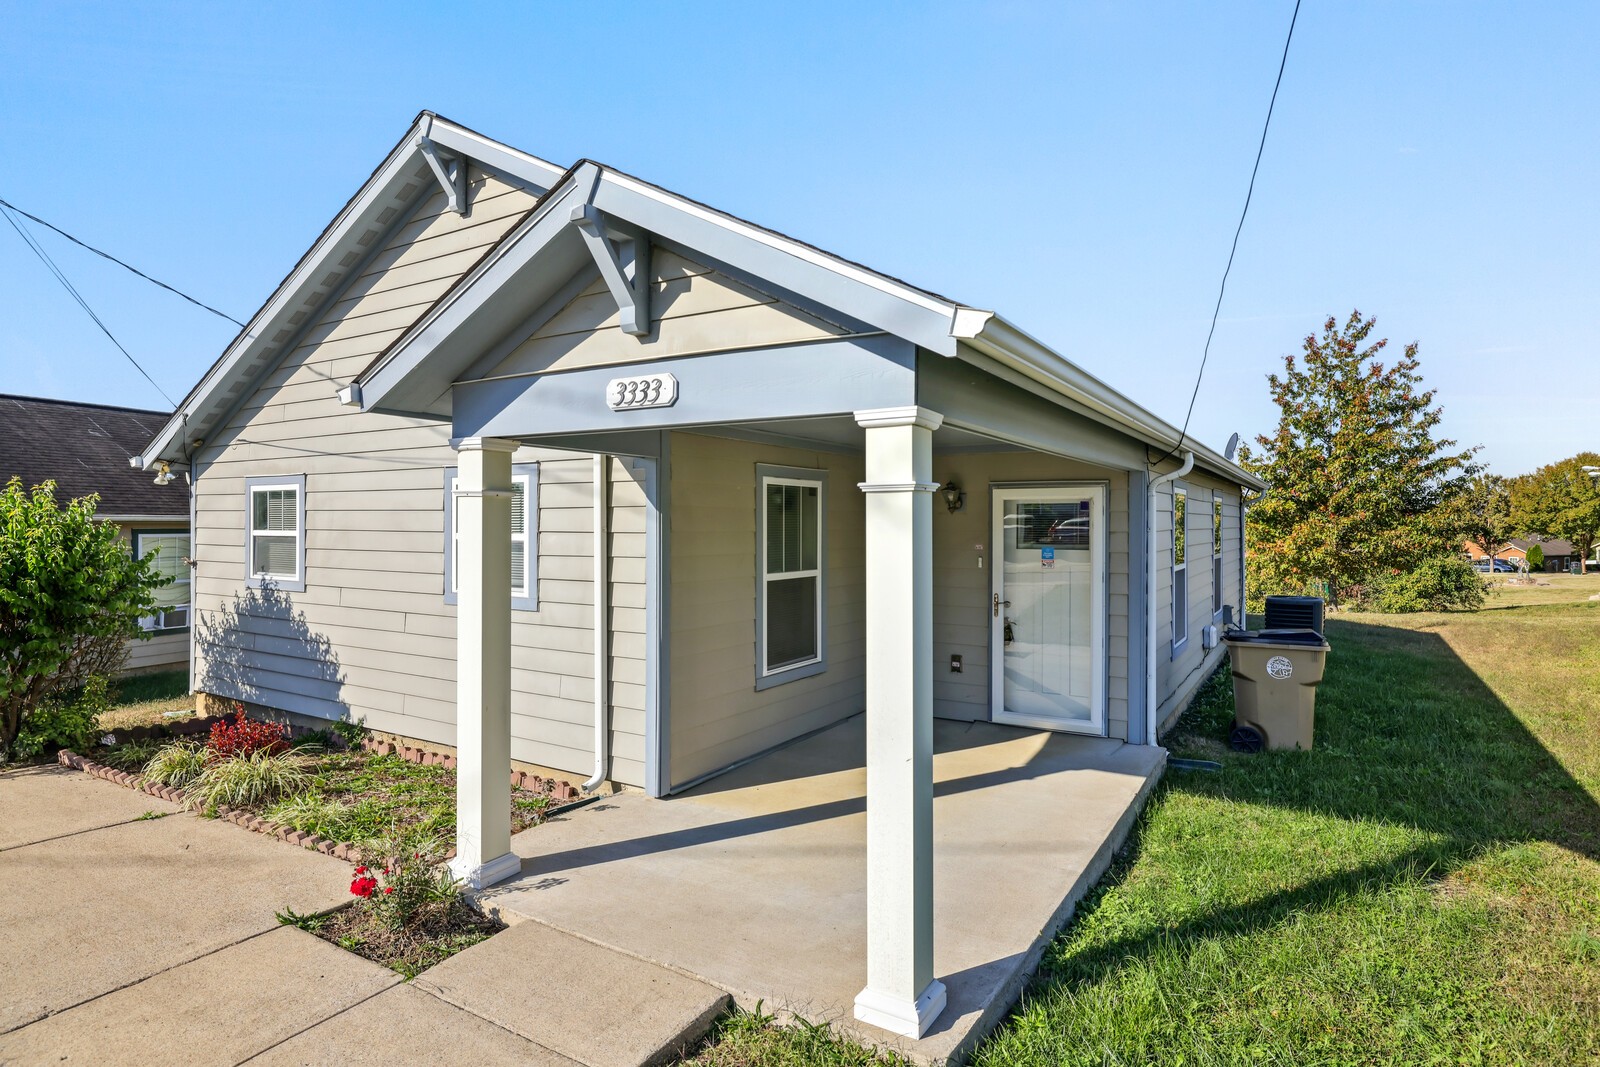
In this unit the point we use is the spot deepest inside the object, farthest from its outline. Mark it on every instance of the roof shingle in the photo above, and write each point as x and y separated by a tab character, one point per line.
84	448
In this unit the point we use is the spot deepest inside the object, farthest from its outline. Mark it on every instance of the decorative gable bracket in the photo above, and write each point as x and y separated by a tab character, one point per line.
451	172
622	253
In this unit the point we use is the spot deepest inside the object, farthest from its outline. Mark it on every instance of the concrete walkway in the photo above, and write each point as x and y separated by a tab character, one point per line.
132	933
756	881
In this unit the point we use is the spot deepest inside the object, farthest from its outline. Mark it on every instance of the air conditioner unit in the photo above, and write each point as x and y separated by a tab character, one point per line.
1208	637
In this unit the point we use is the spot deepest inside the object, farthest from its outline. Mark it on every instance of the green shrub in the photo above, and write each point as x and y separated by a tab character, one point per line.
65	720
401	885
245	780
1535	558
1445	583
353	733
176	764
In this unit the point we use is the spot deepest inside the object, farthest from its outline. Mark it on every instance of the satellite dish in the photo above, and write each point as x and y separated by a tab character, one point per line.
1233	446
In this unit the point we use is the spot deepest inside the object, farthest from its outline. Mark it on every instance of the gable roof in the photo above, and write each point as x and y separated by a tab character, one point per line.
85	448
882	302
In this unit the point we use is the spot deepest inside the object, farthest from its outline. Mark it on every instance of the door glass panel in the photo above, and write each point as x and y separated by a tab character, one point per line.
1049	639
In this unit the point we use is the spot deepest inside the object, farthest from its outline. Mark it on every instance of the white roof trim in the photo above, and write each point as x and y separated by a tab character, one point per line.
290	295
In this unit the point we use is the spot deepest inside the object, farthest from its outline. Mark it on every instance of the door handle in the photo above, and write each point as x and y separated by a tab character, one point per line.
997	603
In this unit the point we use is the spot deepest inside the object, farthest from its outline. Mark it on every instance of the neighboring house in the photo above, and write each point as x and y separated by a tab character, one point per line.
648	490
85	448
1558	554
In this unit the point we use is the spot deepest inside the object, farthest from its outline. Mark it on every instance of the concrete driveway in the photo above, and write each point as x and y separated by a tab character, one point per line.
134	933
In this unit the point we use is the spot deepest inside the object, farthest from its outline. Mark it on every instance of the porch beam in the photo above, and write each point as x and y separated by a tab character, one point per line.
483	662
901	995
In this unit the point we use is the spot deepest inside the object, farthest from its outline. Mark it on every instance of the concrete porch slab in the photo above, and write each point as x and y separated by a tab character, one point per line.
755	881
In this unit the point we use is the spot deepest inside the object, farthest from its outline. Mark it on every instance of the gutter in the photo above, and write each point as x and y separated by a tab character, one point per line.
1152	702
602	623
1002	342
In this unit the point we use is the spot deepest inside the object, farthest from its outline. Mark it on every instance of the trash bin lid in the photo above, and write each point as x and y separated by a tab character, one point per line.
1298	638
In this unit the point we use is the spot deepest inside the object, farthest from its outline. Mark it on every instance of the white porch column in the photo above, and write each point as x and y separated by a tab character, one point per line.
483	662
902	994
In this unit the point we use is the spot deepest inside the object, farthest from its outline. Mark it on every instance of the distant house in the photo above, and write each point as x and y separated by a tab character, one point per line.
1558	554
84	449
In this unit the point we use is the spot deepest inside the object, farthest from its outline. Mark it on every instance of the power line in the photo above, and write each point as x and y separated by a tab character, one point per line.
1223	288
120	263
44	257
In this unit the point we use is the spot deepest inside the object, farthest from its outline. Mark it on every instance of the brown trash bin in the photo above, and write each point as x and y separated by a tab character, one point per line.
1275	678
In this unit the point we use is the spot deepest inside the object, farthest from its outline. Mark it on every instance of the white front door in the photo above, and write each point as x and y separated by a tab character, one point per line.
1048	610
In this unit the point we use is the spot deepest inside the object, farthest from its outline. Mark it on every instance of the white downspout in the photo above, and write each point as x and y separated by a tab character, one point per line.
602	622
1152	701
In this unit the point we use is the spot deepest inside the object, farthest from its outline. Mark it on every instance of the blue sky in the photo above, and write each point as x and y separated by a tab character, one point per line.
1077	167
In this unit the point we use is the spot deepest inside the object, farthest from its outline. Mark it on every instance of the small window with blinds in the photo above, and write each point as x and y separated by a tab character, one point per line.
275	542
1216	554
789	591
168	553
524	536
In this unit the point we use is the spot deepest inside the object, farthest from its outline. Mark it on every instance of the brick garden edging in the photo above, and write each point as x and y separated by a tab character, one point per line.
342	850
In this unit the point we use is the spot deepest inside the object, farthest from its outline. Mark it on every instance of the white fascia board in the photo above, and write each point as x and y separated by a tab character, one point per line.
1010	347
176	518
289	294
538	173
891	305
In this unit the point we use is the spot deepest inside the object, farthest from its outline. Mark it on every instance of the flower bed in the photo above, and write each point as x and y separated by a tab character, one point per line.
408	914
307	789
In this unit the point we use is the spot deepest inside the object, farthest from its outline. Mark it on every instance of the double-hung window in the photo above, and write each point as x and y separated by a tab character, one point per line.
524	536
789	587
1180	569
275	533
1216	554
168	551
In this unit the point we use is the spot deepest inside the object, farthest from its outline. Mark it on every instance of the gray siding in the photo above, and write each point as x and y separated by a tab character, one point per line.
371	636
962	619
1178	675
718	716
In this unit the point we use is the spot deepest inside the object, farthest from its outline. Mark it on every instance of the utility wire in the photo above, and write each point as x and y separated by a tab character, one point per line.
1223	288
120	263
44	257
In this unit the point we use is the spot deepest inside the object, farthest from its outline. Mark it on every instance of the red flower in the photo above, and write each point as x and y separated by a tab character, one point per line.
388	889
364	886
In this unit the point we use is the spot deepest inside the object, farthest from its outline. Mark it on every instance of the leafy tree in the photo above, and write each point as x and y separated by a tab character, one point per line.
1535	558
1561	500
1485	514
1360	487
71	594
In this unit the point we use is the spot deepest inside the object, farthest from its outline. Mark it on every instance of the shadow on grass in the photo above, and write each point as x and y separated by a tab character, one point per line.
1407	735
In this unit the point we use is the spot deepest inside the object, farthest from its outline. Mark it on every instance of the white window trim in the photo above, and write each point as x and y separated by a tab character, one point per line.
1218	528
157	623
528	599
1180	620
297	582
771	475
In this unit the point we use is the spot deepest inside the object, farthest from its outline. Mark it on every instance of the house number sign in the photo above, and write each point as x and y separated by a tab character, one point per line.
650	391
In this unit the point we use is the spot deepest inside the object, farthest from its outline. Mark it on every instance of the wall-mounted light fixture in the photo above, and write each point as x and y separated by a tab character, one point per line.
164	476
954	498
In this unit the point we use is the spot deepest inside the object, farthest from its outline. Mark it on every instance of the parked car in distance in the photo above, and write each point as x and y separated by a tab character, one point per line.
1500	566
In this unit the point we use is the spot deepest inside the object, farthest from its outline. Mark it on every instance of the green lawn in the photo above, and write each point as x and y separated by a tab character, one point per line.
1423	887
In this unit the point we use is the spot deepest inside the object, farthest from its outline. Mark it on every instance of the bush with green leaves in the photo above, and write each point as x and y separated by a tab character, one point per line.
71	595
1443	583
243	780
176	764
401	884
1535	558
64	720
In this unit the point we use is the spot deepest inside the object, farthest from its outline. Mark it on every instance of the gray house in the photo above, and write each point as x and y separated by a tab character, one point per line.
556	466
